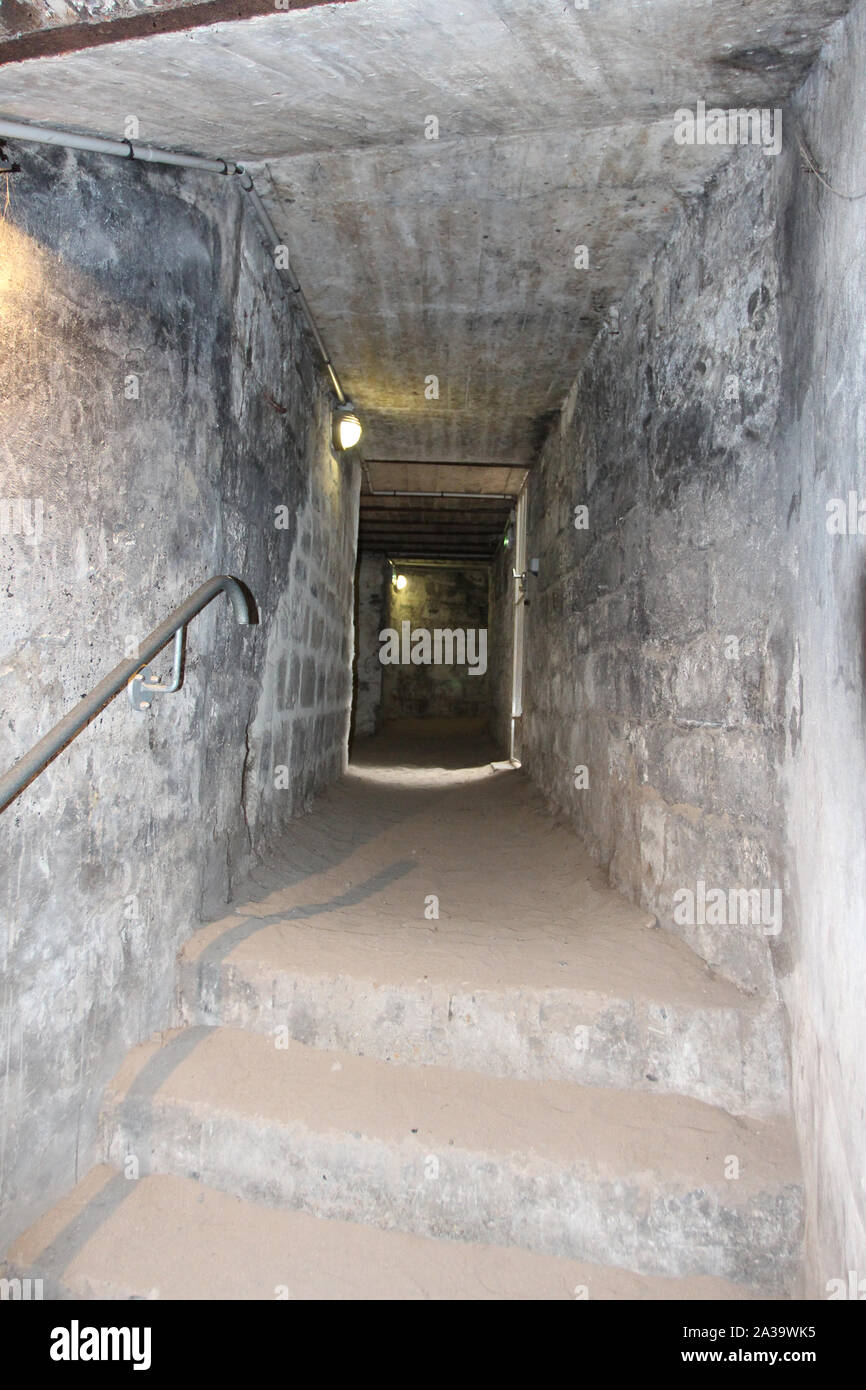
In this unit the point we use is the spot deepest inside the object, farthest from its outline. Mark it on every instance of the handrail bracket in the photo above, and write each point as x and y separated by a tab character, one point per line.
133	675
142	685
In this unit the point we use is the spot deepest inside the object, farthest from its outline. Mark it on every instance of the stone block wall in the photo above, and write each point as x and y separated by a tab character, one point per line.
165	420
695	669
659	655
437	596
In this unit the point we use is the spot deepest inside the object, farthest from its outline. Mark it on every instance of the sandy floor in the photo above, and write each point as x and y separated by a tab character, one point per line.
519	902
430	878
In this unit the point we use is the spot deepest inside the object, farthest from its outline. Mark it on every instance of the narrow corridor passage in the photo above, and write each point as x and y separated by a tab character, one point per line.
433	657
430	1054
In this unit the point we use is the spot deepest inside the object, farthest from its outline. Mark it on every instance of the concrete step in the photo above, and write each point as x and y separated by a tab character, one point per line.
626	1178
167	1237
533	968
603	1000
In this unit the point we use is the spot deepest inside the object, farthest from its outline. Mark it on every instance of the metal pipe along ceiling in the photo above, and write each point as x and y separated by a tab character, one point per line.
150	154
391	492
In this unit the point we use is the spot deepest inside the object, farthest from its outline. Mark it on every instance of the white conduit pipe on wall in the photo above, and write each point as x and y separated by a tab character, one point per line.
149	154
124	149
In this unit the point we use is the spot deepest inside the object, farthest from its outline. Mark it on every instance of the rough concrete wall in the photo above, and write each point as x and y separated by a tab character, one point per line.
823	447
372	599
659	655
438	596
706	439
109	272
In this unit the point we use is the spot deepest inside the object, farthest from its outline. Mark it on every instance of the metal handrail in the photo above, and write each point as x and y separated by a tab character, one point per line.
133	669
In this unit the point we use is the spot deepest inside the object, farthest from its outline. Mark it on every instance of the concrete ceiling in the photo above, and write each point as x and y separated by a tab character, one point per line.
436	510
453	257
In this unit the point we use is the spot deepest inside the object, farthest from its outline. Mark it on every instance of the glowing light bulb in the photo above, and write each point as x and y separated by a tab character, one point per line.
347	430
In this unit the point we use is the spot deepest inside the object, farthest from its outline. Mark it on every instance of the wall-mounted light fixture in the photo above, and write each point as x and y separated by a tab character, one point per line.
347	428
399	581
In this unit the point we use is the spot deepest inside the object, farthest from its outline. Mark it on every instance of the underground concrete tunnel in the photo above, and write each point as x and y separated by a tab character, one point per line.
432	714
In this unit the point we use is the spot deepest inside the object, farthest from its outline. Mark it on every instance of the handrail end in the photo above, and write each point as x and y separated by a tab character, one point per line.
240	600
